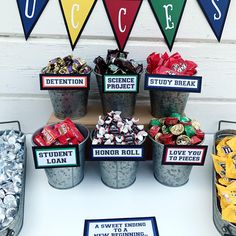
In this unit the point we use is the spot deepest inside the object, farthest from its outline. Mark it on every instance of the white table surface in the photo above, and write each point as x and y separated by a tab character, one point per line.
181	211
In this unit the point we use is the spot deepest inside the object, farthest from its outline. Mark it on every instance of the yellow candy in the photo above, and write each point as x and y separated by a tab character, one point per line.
222	148
226	181
232	143
229	213
231	166
219	164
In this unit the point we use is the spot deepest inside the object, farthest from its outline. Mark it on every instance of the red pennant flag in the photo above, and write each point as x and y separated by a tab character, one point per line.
122	15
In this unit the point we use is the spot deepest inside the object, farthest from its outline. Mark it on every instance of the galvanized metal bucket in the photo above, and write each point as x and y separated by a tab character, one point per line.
124	102
169	175
225	228
164	103
68	177
15	226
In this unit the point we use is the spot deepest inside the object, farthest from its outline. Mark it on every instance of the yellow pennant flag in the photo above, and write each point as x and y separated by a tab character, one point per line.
76	14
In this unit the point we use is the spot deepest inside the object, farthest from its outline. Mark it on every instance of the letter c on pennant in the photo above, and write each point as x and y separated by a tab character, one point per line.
27	9
122	30
74	7
218	10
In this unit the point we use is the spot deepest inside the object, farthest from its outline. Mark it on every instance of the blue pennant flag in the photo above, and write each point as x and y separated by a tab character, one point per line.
30	11
216	13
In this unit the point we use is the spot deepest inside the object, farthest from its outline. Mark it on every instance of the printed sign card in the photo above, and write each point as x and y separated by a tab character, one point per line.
121	83
55	157
168	14
117	153
30	11
216	12
191	84
76	14
64	82
145	226
122	15
184	155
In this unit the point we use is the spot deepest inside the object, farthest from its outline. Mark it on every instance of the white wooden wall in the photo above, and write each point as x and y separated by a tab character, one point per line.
21	61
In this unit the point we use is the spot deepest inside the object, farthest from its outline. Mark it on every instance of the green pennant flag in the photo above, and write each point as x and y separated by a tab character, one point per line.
168	14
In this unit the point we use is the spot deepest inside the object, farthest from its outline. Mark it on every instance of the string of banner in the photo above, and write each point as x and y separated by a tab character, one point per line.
122	15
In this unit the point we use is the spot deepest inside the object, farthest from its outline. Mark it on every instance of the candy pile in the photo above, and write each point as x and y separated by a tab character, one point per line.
117	63
170	65
11	175
114	130
67	65
176	130
225	166
64	133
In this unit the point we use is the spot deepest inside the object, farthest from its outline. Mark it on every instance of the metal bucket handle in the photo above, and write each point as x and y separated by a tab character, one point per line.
225	121
10	232
12	122
227	231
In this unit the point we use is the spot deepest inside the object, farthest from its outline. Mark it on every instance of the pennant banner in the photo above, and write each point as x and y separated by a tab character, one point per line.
76	14
168	14
122	15
216	12
30	11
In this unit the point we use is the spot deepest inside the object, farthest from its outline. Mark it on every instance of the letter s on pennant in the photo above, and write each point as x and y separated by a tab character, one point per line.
74	7
218	10
122	30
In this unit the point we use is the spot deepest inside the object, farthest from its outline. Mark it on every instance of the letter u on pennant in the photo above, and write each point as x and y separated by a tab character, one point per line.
76	14
30	11
122	15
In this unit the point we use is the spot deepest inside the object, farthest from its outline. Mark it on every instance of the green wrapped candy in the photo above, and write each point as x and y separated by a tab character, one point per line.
176	115
155	122
189	130
184	119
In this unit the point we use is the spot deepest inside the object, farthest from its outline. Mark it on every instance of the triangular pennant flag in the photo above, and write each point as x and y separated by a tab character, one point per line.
76	14
30	11
216	12
122	15
168	14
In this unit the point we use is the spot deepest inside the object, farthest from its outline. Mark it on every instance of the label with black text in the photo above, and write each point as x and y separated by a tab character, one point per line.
63	82
57	156
144	226
120	83
184	155
117	153
191	84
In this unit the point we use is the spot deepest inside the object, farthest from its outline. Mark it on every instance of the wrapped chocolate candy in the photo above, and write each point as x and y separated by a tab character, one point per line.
171	65
66	65
117	63
115	130
63	133
11	175
176	130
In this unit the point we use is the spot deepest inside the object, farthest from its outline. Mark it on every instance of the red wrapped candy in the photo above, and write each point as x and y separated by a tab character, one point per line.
49	135
154	130
38	140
